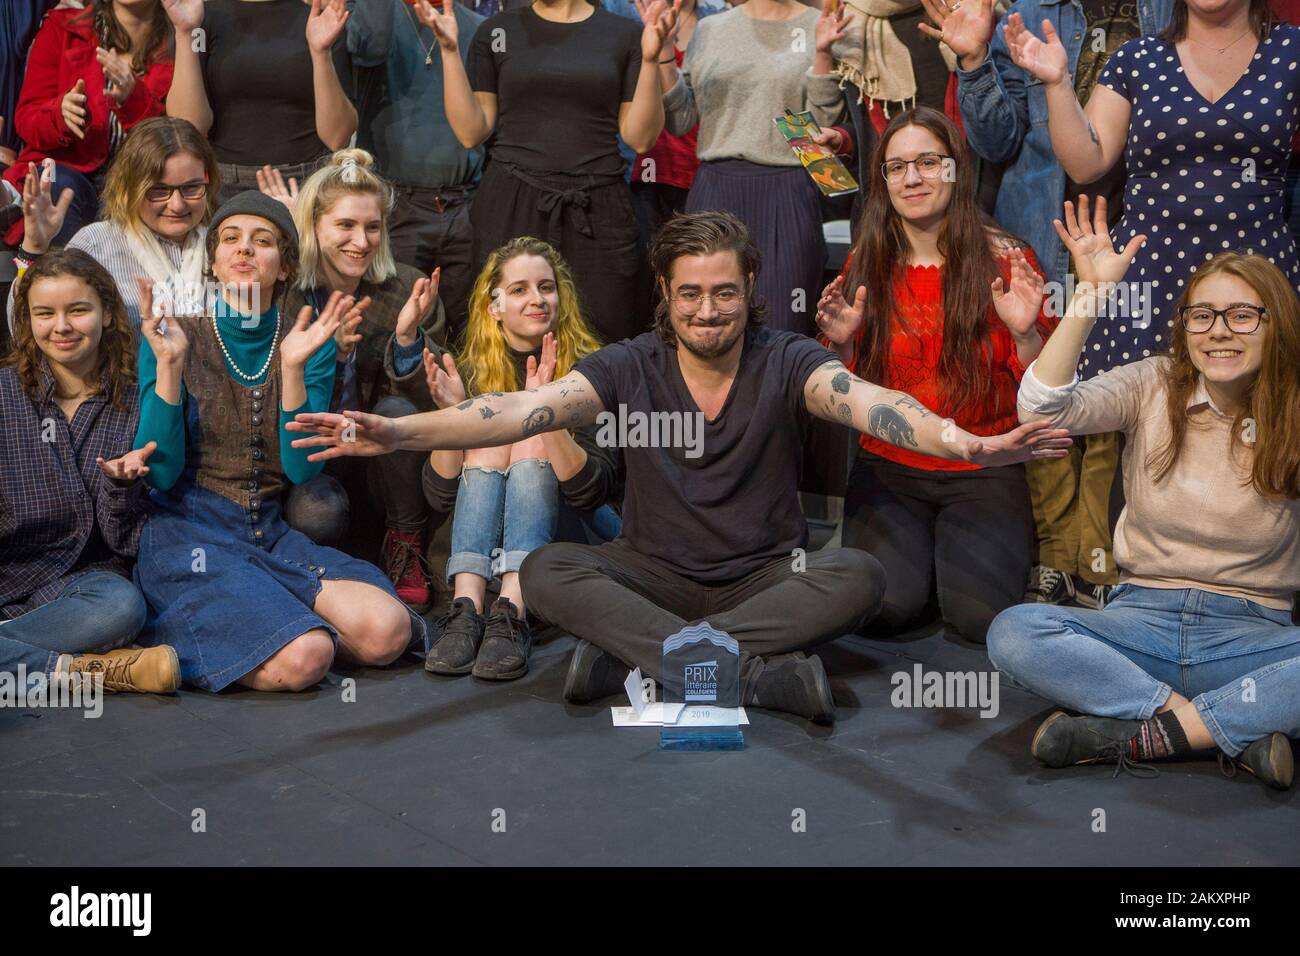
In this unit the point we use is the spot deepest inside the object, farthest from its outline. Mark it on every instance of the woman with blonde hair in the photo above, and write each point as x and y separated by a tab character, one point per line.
158	197
1195	650
525	329
342	215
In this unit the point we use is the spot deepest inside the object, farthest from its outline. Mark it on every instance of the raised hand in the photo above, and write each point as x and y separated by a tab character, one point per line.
185	15
441	22
118	72
445	387
42	217
1028	442
130	466
1046	58
1095	257
1019	303
542	373
160	329
307	336
271	183
73	108
659	20
965	25
838	320
417	308
325	23
351	434
346	336
831	25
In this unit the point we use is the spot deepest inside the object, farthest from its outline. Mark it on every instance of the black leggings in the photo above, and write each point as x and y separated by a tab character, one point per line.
965	535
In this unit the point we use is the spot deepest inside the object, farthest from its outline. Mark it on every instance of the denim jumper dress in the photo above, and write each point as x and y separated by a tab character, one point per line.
227	581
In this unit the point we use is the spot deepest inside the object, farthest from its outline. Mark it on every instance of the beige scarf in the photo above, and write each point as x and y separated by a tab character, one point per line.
872	57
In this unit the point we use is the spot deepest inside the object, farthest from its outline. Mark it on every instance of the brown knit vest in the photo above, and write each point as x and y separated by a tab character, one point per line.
238	452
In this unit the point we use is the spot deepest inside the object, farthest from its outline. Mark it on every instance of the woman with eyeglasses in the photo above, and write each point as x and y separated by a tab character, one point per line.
1195	651
160	192
92	75
937	301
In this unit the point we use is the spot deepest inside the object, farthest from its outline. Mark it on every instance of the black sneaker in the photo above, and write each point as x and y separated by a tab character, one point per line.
1049	586
1268	758
460	631
795	684
1063	741
506	643
593	674
1091	596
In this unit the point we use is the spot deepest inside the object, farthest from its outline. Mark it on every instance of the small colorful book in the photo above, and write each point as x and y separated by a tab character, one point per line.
825	168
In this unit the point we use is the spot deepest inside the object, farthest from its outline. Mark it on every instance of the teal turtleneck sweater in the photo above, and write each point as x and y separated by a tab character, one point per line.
248	343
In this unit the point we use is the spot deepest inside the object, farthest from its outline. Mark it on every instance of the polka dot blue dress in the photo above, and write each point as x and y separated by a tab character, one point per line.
1202	177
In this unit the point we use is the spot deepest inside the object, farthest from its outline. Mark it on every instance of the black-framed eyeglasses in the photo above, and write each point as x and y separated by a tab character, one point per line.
725	302
1242	319
928	165
163	192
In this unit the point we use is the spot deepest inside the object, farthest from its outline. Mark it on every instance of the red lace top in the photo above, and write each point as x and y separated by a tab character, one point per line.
913	363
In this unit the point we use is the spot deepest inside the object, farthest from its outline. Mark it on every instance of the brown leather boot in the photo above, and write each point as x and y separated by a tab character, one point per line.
133	670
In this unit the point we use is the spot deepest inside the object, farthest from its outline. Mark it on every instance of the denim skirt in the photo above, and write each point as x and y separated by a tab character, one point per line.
227	592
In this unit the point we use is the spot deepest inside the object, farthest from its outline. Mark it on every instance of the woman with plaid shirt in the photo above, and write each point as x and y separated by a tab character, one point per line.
70	494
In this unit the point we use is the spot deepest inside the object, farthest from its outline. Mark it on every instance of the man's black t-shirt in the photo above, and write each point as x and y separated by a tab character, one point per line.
559	87
257	72
730	504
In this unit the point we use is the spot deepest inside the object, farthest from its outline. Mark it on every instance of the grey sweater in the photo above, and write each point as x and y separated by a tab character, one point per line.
738	74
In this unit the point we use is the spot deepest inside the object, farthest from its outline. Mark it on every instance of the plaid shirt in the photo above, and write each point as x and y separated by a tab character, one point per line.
60	516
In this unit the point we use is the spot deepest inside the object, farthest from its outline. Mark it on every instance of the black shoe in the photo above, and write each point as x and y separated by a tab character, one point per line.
1268	758
1049	586
460	632
1091	596
795	684
506	643
1063	741
593	674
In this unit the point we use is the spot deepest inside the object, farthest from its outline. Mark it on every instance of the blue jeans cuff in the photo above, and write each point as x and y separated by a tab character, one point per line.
467	562
513	561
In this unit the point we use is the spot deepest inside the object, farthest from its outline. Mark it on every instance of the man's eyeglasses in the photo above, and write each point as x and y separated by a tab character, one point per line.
162	192
929	165
1242	319
690	301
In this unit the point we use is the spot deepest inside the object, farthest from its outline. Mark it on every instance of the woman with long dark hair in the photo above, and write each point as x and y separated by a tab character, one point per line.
1196	649
939	302
92	75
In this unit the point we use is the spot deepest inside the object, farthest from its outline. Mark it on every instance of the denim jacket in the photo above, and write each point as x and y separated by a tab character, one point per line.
1004	111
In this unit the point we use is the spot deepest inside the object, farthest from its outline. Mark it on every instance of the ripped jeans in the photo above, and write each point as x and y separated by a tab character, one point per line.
501	516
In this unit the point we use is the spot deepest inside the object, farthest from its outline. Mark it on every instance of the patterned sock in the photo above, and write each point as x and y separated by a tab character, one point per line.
1160	737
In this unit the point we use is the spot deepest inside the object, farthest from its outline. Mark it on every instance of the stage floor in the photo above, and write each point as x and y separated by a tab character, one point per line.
430	771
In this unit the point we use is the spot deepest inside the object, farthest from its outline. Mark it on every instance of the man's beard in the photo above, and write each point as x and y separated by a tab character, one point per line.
713	351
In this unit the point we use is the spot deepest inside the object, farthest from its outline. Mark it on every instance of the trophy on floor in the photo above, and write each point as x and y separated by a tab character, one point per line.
701	678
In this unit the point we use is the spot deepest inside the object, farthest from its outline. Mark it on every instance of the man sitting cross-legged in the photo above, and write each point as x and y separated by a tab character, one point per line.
712	530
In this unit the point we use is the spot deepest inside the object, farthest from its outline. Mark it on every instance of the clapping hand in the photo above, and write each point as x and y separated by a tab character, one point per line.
537	374
270	182
965	25
1045	59
417	308
1095	257
160	329
325	23
445	387
42	217
838	320
442	23
307	336
1019	303
117	71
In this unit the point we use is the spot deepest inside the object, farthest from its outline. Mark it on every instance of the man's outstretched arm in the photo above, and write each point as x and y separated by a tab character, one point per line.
835	394
496	418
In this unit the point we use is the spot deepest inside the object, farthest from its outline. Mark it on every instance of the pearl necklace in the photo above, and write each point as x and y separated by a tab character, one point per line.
231	362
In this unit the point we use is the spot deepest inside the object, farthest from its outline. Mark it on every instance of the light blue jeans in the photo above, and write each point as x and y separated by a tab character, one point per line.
1237	661
97	612
501	516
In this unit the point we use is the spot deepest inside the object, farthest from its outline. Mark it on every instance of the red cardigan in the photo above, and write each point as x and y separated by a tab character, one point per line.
913	362
62	53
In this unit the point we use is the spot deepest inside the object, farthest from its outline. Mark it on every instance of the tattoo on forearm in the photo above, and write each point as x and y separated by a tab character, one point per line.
486	412
465	404
840	383
889	424
845	414
1092	133
907	401
538	420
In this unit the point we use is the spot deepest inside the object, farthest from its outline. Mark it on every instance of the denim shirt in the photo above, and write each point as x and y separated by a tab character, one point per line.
1004	111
